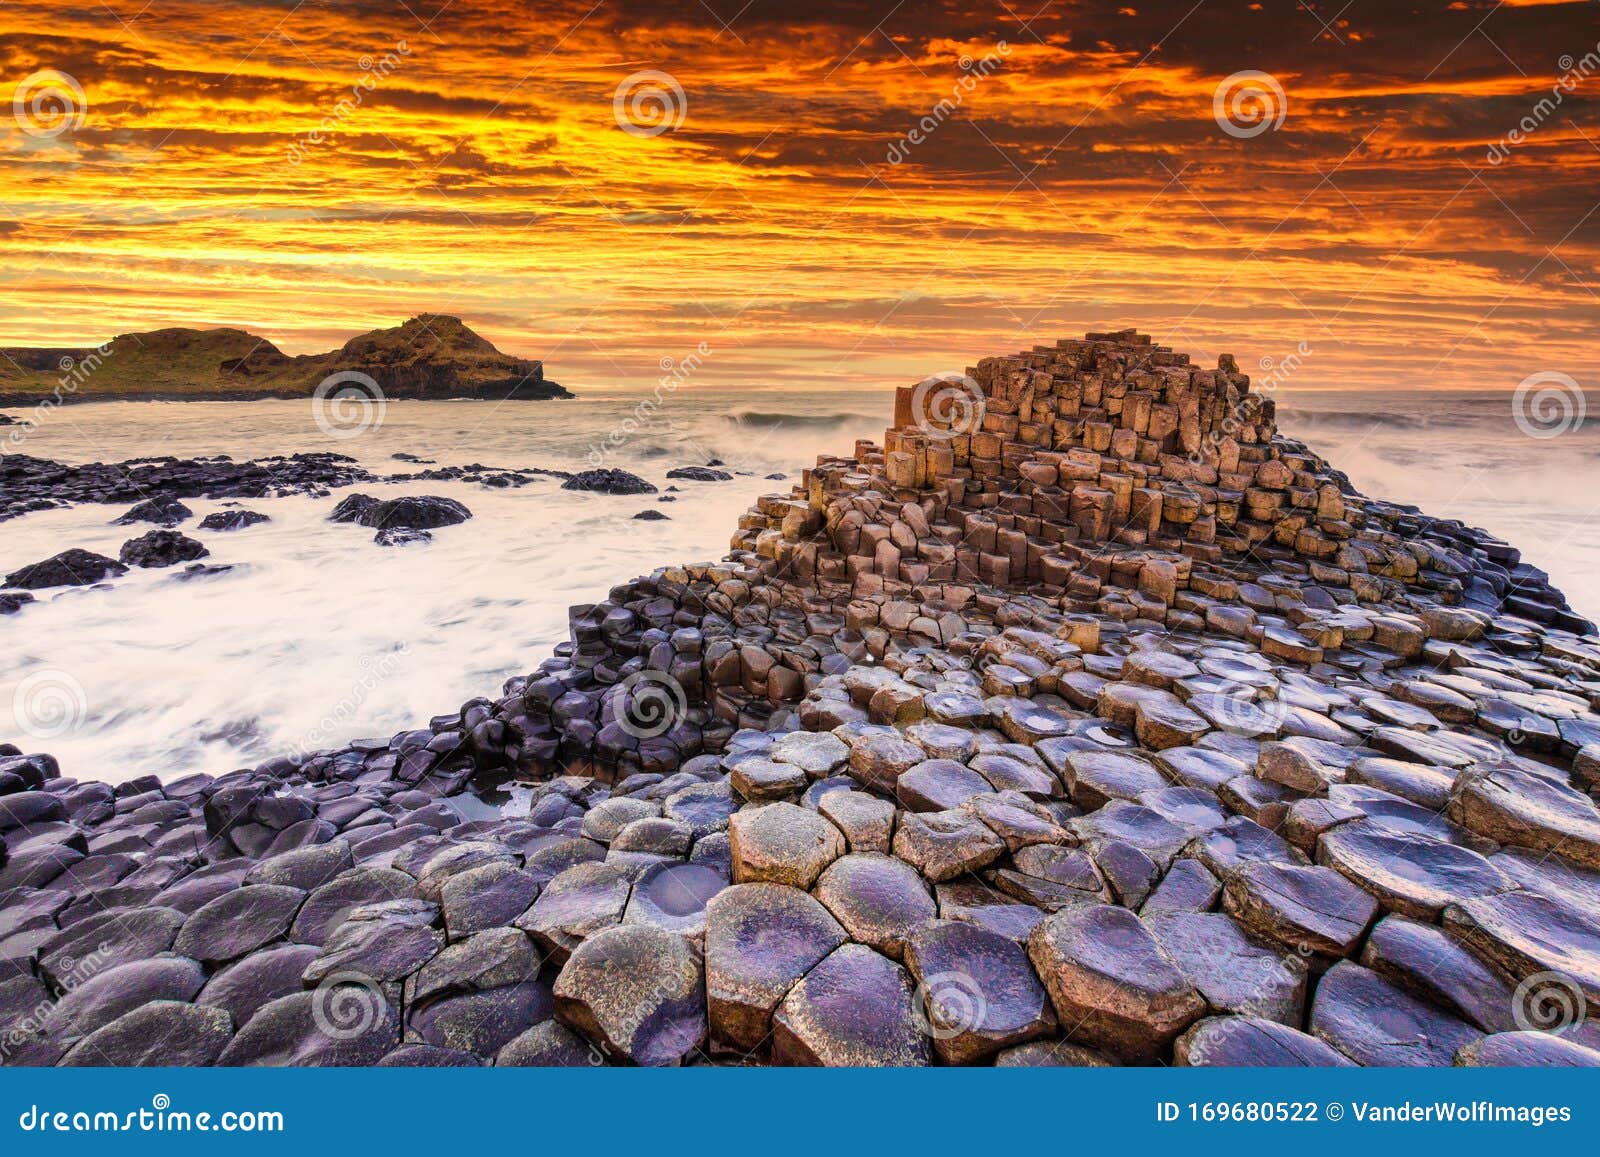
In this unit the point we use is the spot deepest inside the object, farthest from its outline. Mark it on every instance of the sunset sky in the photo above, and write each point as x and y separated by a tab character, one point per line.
1077	177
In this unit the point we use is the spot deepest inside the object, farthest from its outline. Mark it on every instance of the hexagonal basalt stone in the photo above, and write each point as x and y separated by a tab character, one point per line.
237	923
780	843
979	992
1525	1049
637	992
944	845
1373	1022
247	985
1111	985
880	900
1253	1042
760	940
1314	911
161	1033
852	1009
1521	934
1232	972
335	1025
674	896
936	784
327	907
581	901
866	821
1412	875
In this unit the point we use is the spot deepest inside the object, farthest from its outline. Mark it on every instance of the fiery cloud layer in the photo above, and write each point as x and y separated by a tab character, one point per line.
853	193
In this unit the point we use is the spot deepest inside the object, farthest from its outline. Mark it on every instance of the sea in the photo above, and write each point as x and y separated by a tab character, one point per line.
314	635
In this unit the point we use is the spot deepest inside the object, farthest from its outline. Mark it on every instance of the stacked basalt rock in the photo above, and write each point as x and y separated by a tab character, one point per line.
1088	721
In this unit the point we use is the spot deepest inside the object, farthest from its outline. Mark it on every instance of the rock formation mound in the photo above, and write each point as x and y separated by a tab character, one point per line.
1087	721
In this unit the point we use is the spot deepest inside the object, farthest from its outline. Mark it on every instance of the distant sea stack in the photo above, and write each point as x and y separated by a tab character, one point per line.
1086	721
430	356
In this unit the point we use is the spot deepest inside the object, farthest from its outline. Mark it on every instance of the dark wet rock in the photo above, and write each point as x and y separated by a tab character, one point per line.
760	940
1253	1042
162	1033
327	906
577	903
488	896
70	568
335	1025
239	922
608	482
853	1008
1112	987
227	520
243	988
1526	1050
161	510
637	992
1374	1022
979	993
548	1045
160	548
699	474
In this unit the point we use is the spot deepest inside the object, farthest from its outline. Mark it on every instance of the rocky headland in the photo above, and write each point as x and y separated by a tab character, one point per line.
430	356
1086	721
